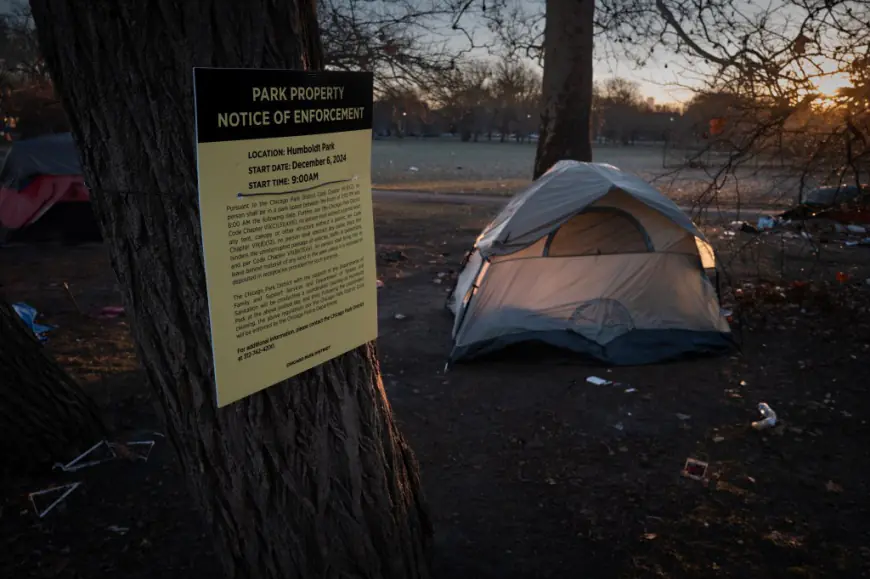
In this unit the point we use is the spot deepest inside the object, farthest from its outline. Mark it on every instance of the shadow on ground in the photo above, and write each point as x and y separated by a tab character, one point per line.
530	470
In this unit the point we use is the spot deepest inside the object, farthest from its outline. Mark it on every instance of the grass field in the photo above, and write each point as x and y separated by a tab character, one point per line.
450	166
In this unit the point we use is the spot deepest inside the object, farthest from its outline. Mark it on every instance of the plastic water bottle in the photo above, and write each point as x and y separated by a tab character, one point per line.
769	419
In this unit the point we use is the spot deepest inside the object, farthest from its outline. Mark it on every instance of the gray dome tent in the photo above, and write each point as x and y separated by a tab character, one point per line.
45	155
593	260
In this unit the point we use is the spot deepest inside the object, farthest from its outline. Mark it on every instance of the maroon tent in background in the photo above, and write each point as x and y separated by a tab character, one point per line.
42	191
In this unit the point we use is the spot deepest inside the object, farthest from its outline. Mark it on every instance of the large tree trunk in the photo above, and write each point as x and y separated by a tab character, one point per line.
567	84
309	478
44	415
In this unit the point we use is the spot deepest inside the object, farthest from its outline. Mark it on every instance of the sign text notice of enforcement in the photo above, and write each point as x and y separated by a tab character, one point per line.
284	164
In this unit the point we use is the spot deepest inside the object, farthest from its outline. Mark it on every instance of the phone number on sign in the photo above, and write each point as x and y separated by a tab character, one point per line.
256	351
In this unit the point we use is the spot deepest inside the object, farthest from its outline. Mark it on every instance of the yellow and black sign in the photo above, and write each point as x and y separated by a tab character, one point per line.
284	163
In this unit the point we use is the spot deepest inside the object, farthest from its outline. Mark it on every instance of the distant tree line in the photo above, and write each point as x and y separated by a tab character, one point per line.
28	104
428	87
501	100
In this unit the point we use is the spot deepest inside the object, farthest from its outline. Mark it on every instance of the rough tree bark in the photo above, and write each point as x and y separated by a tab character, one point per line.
44	415
309	478
567	84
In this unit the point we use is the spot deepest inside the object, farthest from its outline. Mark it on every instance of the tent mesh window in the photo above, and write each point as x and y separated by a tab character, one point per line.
598	233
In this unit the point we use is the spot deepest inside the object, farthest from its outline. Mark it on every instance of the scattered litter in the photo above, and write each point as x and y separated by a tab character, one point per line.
400	316
649	536
67	489
769	417
119	530
718	438
438	280
598	381
105	451
856	229
99	453
748	228
71	297
743	383
134	450
766	222
728	233
630	390
833	487
694	469
28	315
412	168
619	426
380	284
110	312
683	416
725	313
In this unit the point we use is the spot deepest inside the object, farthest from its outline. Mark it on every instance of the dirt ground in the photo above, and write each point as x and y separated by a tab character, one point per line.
531	471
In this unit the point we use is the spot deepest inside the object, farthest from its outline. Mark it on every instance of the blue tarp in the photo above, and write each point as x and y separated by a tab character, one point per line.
28	314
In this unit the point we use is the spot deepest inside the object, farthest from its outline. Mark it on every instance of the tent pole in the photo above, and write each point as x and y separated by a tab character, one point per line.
462	265
474	288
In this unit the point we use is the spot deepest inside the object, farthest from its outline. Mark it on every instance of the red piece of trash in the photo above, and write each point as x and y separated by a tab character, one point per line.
112	312
694	469
843	277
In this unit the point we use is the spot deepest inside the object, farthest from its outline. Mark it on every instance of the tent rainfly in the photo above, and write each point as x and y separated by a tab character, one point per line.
38	174
594	260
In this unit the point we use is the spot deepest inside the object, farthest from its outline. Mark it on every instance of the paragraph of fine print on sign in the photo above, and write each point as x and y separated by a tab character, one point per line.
279	235
264	308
